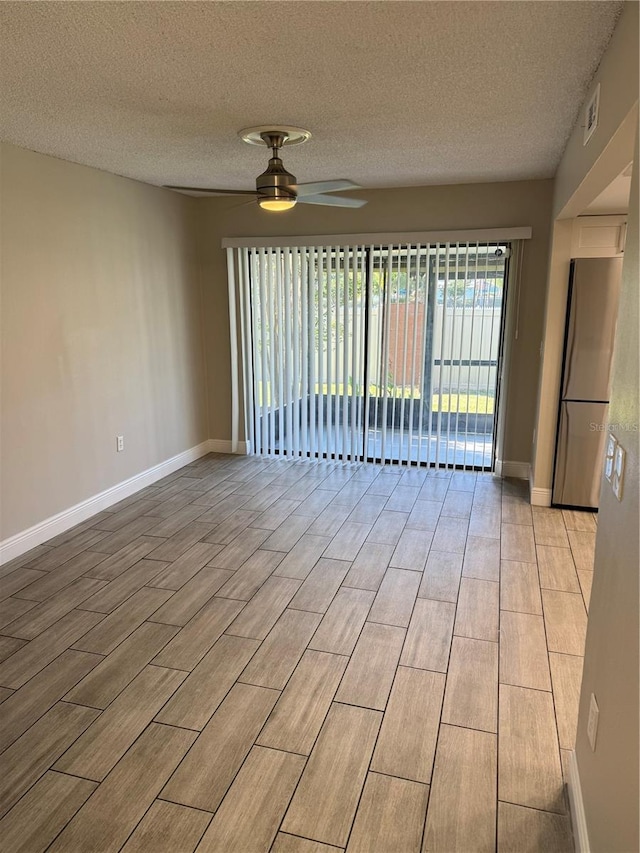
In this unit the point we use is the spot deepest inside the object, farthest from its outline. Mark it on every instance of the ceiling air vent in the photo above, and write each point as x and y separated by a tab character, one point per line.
591	115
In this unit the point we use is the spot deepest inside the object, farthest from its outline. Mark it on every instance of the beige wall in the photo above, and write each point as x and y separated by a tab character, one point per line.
609	776
101	333
390	210
551	369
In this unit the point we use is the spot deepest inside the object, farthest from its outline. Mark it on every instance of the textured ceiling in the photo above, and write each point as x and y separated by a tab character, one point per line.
395	93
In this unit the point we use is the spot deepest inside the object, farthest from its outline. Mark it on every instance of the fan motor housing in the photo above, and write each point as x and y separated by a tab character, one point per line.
275	182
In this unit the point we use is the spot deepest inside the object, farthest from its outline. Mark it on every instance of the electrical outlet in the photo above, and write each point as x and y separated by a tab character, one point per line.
592	722
119	443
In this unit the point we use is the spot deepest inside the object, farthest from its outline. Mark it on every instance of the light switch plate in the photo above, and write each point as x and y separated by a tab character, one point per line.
618	471
610	456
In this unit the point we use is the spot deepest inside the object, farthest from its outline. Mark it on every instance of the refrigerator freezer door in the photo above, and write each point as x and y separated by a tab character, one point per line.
580	457
593	311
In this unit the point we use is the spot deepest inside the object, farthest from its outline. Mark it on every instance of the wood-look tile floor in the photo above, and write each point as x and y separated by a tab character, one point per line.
298	657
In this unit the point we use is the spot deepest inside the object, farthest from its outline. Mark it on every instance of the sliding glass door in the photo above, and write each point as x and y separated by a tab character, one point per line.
435	346
385	353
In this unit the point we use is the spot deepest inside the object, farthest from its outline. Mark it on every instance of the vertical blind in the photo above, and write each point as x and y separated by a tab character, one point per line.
381	352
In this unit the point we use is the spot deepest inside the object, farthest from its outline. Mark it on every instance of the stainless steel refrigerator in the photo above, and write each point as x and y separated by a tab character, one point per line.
594	288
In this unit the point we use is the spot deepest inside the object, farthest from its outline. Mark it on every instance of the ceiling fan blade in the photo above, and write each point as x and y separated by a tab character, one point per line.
240	204
332	200
316	187
210	190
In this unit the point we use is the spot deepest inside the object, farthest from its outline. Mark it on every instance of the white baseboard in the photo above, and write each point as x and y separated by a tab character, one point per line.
540	497
537	496
578	818
518	470
18	544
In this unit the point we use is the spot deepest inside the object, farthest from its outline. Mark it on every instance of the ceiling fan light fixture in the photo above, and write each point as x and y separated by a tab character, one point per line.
276	204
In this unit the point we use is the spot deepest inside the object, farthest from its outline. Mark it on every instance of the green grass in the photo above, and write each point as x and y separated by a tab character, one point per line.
472	404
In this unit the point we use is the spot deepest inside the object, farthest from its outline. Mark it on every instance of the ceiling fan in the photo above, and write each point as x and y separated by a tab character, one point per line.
276	189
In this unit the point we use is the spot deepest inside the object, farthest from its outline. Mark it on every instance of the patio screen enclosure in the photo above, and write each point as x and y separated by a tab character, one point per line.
386	353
